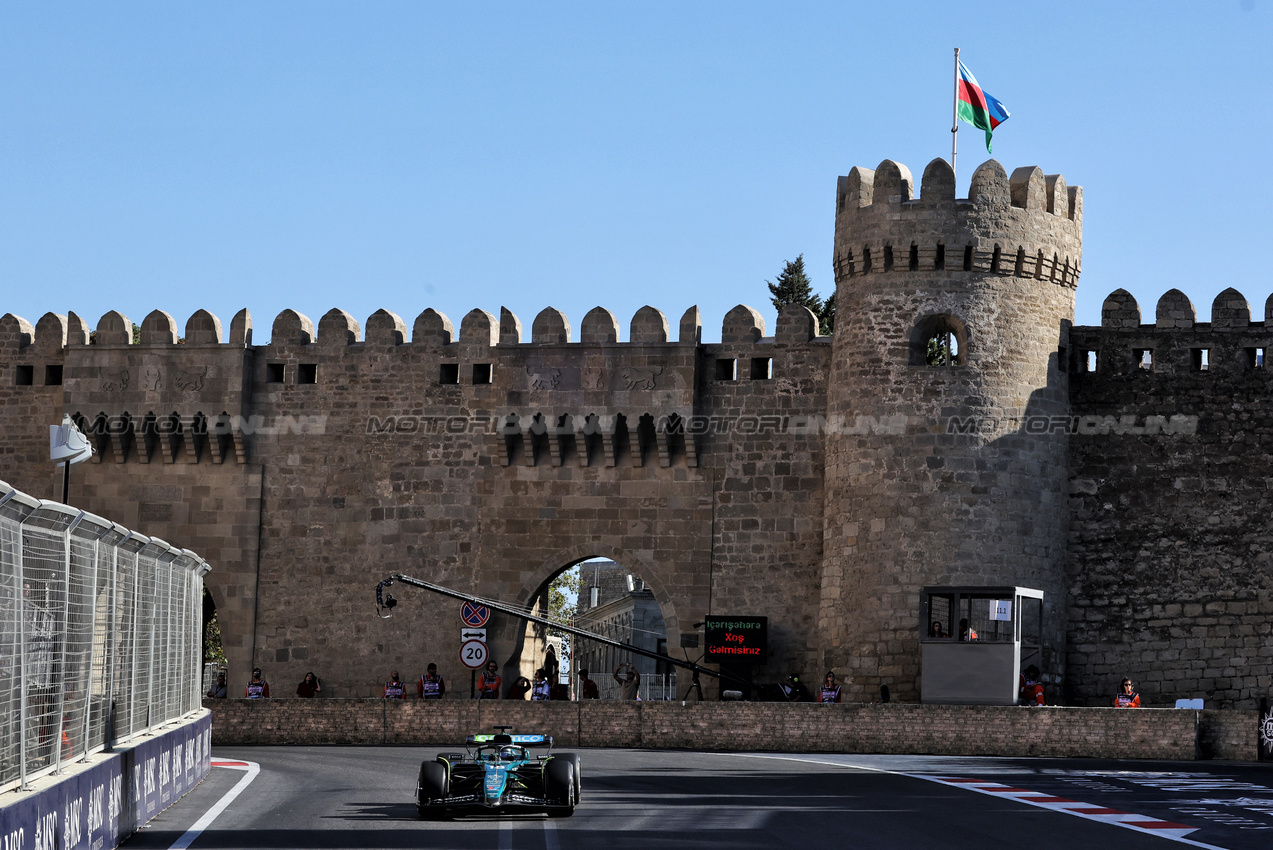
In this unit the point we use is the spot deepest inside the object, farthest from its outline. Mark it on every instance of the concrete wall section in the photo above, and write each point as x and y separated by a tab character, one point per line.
99	806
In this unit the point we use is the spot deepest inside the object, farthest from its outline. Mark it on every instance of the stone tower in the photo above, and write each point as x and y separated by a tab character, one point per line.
954	472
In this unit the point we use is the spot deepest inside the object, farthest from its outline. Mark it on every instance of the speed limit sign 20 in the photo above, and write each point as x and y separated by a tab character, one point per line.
473	654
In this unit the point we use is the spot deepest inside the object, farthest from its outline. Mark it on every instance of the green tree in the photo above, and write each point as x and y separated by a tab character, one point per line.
826	319
942	349
793	287
563	598
213	652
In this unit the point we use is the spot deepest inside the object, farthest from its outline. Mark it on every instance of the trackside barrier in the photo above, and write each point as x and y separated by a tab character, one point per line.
97	805
99	635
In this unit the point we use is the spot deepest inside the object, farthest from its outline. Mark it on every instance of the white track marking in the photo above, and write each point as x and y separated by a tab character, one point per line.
251	768
1126	820
505	834
550	836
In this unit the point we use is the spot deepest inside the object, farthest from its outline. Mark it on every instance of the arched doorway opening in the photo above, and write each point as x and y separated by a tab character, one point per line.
607	598
214	662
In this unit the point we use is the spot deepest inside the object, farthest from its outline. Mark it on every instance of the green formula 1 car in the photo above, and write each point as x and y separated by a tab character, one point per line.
499	774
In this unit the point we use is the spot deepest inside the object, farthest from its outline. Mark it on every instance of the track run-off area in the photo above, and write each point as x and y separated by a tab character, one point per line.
363	797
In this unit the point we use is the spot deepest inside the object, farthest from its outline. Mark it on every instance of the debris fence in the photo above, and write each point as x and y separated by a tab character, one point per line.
100	635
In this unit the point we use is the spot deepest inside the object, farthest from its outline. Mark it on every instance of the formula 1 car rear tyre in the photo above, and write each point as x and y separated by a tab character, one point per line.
432	786
573	758
559	787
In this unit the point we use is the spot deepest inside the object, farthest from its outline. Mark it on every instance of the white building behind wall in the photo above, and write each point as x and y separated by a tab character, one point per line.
617	604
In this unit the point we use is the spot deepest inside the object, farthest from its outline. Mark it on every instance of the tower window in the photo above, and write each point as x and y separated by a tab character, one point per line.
307	373
481	373
1201	359
274	373
23	376
726	369
913	265
866	260
1088	361
1019	270
994	260
762	368
940	340
1144	358
449	373
888	258
968	258
53	376
1255	358
939	261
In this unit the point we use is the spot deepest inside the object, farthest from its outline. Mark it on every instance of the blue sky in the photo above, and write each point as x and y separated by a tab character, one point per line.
316	155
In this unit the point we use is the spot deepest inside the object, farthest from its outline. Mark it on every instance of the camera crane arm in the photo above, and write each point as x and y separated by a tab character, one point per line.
386	601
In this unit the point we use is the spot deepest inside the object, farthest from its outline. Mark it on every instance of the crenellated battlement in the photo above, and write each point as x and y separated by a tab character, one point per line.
1175	342
1027	225
55	332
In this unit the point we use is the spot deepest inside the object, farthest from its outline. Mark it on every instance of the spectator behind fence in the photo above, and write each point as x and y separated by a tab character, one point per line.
431	685
630	683
1128	698
587	688
966	632
394	688
539	692
218	689
257	688
519	689
830	690
793	690
490	682
309	687
1030	691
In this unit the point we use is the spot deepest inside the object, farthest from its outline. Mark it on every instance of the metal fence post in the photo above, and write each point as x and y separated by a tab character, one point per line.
132	664
92	648
22	655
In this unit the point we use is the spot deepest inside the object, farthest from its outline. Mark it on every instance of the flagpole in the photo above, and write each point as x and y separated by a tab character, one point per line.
954	123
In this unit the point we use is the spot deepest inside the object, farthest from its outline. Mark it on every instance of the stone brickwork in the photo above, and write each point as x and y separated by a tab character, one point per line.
743	727
1171	547
933	482
819	481
1228	735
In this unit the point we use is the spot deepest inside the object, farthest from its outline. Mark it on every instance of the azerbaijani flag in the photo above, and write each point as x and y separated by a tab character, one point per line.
977	107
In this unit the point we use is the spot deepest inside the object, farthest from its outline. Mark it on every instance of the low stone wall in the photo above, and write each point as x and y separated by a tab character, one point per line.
1228	735
859	728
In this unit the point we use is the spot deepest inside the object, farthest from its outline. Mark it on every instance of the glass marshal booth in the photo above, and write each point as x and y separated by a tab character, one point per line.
976	642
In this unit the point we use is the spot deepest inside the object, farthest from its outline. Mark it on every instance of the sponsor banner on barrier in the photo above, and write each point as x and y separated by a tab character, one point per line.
98	808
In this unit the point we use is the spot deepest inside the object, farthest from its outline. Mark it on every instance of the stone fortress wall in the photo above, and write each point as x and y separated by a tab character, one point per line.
815	480
1171	495
475	460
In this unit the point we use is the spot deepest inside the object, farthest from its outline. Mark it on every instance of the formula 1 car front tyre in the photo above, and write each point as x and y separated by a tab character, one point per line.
559	787
573	758
432	786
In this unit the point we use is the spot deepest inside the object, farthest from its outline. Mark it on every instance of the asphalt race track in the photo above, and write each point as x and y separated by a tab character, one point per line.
362	797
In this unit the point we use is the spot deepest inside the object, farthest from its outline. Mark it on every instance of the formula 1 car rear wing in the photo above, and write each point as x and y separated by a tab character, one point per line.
520	740
387	602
